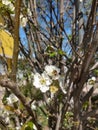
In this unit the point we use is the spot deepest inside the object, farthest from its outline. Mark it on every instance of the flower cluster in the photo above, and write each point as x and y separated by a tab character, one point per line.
92	80
52	71
11	99
23	20
8	4
5	115
44	81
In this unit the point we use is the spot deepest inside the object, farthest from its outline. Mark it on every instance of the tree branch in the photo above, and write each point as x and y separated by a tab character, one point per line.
16	39
7	83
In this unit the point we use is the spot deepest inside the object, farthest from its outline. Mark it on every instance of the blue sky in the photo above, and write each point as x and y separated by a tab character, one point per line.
23	37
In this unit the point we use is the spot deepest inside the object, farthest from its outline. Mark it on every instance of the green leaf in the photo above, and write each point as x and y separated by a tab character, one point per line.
28	126
70	37
96	72
53	54
85	105
60	52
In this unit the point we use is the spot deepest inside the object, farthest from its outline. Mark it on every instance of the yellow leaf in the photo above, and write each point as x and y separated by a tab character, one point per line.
6	47
1	20
6	44
9	108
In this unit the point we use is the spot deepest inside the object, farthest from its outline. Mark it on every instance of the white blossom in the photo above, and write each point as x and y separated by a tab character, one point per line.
17	128
23	20
11	7
5	115
7	119
33	106
93	78
65	69
42	81
52	71
11	99
62	84
29	12
36	82
6	2
34	127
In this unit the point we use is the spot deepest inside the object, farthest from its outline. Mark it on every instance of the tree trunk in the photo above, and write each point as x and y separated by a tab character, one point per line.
16	40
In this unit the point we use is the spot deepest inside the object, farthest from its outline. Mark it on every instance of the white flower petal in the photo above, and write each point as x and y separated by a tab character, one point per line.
13	98
9	4
44	89
23	21
47	79
62	84
9	101
52	71
6	2
36	82
33	106
11	7
42	81
29	12
93	78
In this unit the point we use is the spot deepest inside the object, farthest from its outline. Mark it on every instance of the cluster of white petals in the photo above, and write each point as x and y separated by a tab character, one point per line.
33	106
93	78
8	4
29	12
5	115
42	81
23	20
11	99
52	71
